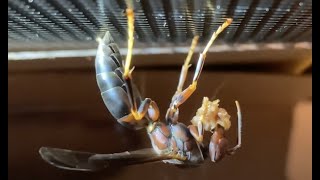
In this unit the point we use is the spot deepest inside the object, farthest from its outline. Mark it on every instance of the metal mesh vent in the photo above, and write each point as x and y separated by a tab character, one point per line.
79	22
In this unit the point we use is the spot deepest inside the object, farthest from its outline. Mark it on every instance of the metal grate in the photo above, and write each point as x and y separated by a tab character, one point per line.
76	23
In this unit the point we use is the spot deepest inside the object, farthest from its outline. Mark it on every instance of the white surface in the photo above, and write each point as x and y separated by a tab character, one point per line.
29	55
299	163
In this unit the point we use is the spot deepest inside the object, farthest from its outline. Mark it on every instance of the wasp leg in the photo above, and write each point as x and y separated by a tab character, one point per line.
130	16
178	156
180	98
232	150
147	105
153	111
173	112
186	65
197	132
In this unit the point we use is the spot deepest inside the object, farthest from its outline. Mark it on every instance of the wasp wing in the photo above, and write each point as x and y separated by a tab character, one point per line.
86	161
67	159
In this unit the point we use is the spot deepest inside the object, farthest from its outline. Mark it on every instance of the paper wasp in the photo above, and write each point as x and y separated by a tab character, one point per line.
172	141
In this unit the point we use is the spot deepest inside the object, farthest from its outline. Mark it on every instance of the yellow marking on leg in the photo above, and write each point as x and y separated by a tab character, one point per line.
186	64
185	94
127	118
192	47
176	155
130	16
137	116
216	33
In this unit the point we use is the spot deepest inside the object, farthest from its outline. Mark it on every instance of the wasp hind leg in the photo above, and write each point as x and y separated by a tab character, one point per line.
147	106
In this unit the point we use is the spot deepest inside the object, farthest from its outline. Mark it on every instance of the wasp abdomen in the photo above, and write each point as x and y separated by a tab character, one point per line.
117	102
109	75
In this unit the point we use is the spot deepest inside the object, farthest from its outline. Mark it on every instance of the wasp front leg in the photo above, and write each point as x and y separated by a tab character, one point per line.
181	96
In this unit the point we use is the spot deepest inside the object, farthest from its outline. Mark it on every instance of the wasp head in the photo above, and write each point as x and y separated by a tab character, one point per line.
219	144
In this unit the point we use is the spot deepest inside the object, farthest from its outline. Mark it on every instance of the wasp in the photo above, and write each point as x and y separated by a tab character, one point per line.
172	141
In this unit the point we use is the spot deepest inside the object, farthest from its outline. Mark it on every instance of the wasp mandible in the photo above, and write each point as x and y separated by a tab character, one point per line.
172	141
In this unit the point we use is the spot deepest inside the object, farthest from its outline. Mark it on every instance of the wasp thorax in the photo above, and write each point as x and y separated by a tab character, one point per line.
210	115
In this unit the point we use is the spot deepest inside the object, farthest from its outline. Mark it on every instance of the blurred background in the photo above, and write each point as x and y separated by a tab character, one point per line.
263	60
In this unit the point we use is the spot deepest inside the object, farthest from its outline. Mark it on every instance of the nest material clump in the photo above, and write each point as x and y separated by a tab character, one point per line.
210	115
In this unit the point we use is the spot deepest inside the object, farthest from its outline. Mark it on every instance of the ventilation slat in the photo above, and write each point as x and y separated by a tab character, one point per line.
175	22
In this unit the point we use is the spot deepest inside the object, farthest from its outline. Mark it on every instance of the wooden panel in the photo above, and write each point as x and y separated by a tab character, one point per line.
64	109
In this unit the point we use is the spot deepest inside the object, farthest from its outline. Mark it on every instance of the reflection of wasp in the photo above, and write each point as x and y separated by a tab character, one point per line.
173	142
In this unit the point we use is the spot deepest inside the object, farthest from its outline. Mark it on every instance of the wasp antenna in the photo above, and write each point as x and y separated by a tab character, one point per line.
239	123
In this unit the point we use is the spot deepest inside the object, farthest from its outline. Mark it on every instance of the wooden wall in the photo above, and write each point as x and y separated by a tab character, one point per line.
64	109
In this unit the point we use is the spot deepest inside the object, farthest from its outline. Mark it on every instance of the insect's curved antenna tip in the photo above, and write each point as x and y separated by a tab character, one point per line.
239	116
238	108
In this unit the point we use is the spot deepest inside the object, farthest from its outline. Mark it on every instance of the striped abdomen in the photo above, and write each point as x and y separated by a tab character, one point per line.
108	64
